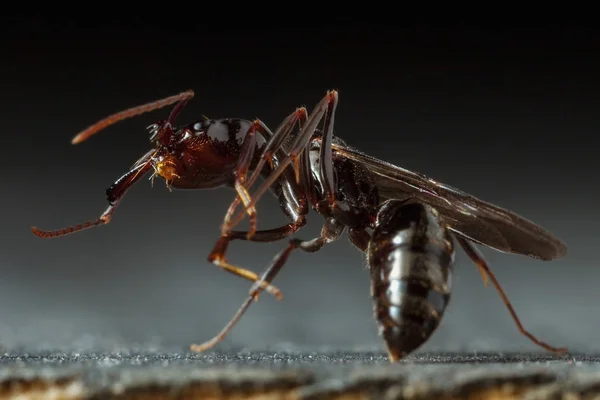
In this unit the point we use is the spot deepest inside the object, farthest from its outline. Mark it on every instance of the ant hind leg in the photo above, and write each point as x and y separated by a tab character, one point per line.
478	259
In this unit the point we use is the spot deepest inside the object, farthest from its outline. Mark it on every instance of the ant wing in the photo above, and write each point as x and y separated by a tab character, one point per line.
465	215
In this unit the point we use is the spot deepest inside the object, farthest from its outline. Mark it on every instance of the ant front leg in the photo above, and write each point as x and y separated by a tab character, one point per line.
114	194
277	139
140	168
330	232
478	259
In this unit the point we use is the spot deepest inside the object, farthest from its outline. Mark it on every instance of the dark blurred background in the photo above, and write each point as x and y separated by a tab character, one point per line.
507	112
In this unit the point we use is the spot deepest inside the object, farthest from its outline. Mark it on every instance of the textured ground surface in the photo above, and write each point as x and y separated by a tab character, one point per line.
294	375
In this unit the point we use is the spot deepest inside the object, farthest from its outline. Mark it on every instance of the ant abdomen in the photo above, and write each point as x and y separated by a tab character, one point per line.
410	257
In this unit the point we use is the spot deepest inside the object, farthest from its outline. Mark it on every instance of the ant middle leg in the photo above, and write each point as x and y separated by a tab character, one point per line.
326	106
293	203
241	183
482	264
276	140
217	255
331	231
273	147
293	186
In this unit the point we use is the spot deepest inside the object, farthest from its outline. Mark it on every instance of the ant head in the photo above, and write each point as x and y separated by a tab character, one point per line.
164	134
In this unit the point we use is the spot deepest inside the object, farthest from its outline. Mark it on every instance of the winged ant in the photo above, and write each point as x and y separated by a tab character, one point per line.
406	223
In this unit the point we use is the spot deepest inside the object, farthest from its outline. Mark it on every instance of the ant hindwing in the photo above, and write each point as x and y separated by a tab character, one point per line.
406	223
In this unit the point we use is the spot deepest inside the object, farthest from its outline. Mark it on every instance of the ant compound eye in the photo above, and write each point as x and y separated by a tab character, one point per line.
202	125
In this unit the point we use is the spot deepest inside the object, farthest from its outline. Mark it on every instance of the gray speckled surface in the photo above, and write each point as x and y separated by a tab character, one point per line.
297	374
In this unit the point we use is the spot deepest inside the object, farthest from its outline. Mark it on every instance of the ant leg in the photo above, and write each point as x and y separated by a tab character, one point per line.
478	259
241	172
326	174
331	231
294	209
114	195
292	200
274	143
301	143
282	133
217	255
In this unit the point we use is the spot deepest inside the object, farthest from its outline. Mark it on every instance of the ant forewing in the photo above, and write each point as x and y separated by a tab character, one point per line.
405	222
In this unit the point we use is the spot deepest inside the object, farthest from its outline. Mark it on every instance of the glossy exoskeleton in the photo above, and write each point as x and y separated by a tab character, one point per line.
405	222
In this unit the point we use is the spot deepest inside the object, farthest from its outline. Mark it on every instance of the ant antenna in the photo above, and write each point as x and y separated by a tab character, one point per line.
182	97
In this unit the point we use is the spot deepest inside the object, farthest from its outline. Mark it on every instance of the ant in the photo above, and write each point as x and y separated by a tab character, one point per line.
406	223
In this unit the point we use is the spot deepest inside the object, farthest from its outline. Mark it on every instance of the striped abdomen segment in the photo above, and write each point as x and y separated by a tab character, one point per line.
410	258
